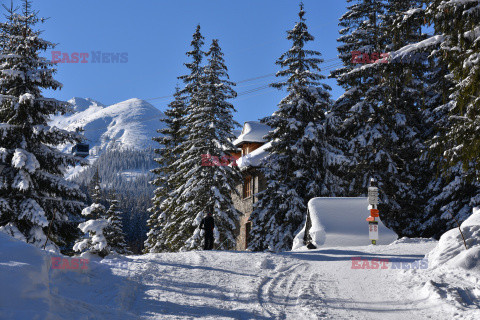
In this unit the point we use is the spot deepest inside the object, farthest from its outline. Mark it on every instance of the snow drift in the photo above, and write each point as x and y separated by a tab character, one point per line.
341	222
451	251
32	289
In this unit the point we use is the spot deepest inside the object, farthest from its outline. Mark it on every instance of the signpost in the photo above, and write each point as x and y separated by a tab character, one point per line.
373	202
373	231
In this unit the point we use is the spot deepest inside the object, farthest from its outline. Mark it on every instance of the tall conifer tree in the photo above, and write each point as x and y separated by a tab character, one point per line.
114	232
33	190
381	108
459	22
166	180
304	147
208	130
453	110
165	212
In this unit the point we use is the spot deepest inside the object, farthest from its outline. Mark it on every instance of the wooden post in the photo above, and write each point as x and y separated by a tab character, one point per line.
458	224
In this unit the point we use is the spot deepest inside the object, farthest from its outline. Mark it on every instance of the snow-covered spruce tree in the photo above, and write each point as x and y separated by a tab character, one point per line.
166	211
33	191
94	228
208	125
303	151
453	190
171	137
381	108
114	232
399	119
459	21
360	35
94	188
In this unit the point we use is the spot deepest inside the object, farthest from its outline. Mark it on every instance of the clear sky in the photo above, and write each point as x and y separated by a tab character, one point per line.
156	35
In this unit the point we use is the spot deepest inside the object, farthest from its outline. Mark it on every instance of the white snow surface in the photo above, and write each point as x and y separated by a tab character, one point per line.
254	158
450	251
130	124
253	131
94	206
341	222
315	284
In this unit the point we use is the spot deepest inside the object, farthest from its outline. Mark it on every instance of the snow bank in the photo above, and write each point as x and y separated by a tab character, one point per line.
24	292
451	251
341	222
453	277
31	289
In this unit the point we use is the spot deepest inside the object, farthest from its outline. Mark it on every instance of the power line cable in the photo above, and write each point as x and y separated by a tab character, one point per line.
245	80
244	94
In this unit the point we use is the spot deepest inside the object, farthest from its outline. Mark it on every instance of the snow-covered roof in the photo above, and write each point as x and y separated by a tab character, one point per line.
253	131
341	222
254	158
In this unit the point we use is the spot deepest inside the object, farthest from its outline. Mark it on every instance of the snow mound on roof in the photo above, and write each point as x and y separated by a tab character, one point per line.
341	222
451	251
254	158
253	131
130	124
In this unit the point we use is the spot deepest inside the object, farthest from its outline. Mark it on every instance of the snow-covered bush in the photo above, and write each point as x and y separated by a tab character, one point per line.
94	240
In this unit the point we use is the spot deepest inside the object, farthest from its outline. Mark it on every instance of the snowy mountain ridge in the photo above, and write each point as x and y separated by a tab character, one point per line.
129	124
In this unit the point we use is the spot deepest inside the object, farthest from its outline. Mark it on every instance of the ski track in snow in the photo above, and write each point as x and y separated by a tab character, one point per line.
317	284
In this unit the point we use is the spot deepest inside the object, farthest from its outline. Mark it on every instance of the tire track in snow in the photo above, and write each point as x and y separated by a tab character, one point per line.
275	293
310	300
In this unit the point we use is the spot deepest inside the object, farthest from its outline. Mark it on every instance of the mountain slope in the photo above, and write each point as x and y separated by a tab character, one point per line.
130	124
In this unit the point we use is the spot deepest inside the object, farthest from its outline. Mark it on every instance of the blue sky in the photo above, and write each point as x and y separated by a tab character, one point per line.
156	35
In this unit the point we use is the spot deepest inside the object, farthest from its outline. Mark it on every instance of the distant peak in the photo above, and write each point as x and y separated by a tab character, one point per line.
134	103
78	100
81	104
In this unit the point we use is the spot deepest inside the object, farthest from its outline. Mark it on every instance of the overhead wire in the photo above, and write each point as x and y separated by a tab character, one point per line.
244	94
245	80
268	85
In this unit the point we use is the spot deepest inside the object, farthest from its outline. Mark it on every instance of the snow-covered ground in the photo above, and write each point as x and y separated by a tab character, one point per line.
320	284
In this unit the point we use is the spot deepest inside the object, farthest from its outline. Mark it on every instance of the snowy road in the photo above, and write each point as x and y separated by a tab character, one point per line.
318	284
